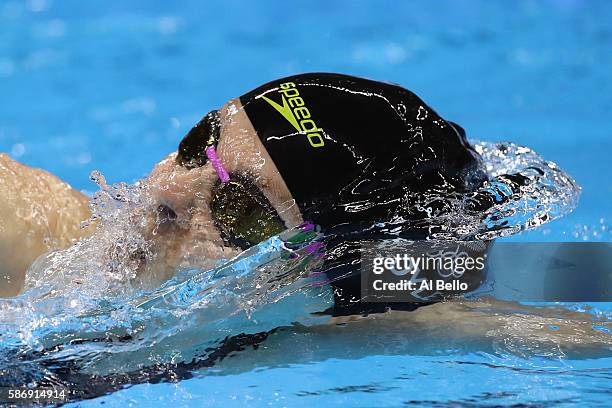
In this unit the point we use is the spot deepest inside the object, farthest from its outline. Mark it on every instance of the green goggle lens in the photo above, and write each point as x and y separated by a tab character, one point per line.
243	214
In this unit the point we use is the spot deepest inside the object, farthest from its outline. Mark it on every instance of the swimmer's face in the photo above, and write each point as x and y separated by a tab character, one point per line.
382	143
184	225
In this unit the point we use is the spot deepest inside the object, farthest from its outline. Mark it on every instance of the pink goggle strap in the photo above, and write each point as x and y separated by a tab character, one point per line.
211	153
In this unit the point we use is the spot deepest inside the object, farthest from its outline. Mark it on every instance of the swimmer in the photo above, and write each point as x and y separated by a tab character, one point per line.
338	151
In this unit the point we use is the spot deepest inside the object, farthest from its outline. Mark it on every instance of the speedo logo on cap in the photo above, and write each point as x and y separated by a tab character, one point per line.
294	110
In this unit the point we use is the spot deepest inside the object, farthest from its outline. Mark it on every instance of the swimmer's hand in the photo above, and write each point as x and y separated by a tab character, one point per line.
38	213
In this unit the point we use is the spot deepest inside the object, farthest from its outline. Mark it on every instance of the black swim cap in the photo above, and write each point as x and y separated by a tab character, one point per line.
192	149
350	148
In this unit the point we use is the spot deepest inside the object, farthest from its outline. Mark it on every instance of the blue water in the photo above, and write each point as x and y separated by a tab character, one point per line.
114	86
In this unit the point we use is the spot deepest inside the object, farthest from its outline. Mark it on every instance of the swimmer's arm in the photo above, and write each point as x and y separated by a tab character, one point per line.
38	213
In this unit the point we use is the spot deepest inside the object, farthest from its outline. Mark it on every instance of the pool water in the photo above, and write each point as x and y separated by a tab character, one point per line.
114	87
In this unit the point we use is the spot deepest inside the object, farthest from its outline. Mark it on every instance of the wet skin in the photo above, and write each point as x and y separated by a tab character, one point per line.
40	213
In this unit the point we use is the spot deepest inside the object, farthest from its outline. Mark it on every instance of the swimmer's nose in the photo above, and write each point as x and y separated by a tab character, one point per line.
165	218
192	149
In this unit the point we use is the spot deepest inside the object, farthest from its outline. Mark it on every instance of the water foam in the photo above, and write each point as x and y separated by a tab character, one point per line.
79	300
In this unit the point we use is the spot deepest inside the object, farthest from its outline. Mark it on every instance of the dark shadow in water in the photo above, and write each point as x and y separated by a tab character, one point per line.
68	374
351	341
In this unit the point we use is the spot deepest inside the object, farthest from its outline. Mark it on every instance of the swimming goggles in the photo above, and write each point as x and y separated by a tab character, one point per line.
241	212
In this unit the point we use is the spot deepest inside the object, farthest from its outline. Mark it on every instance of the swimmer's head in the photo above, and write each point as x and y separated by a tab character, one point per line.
327	148
350	149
